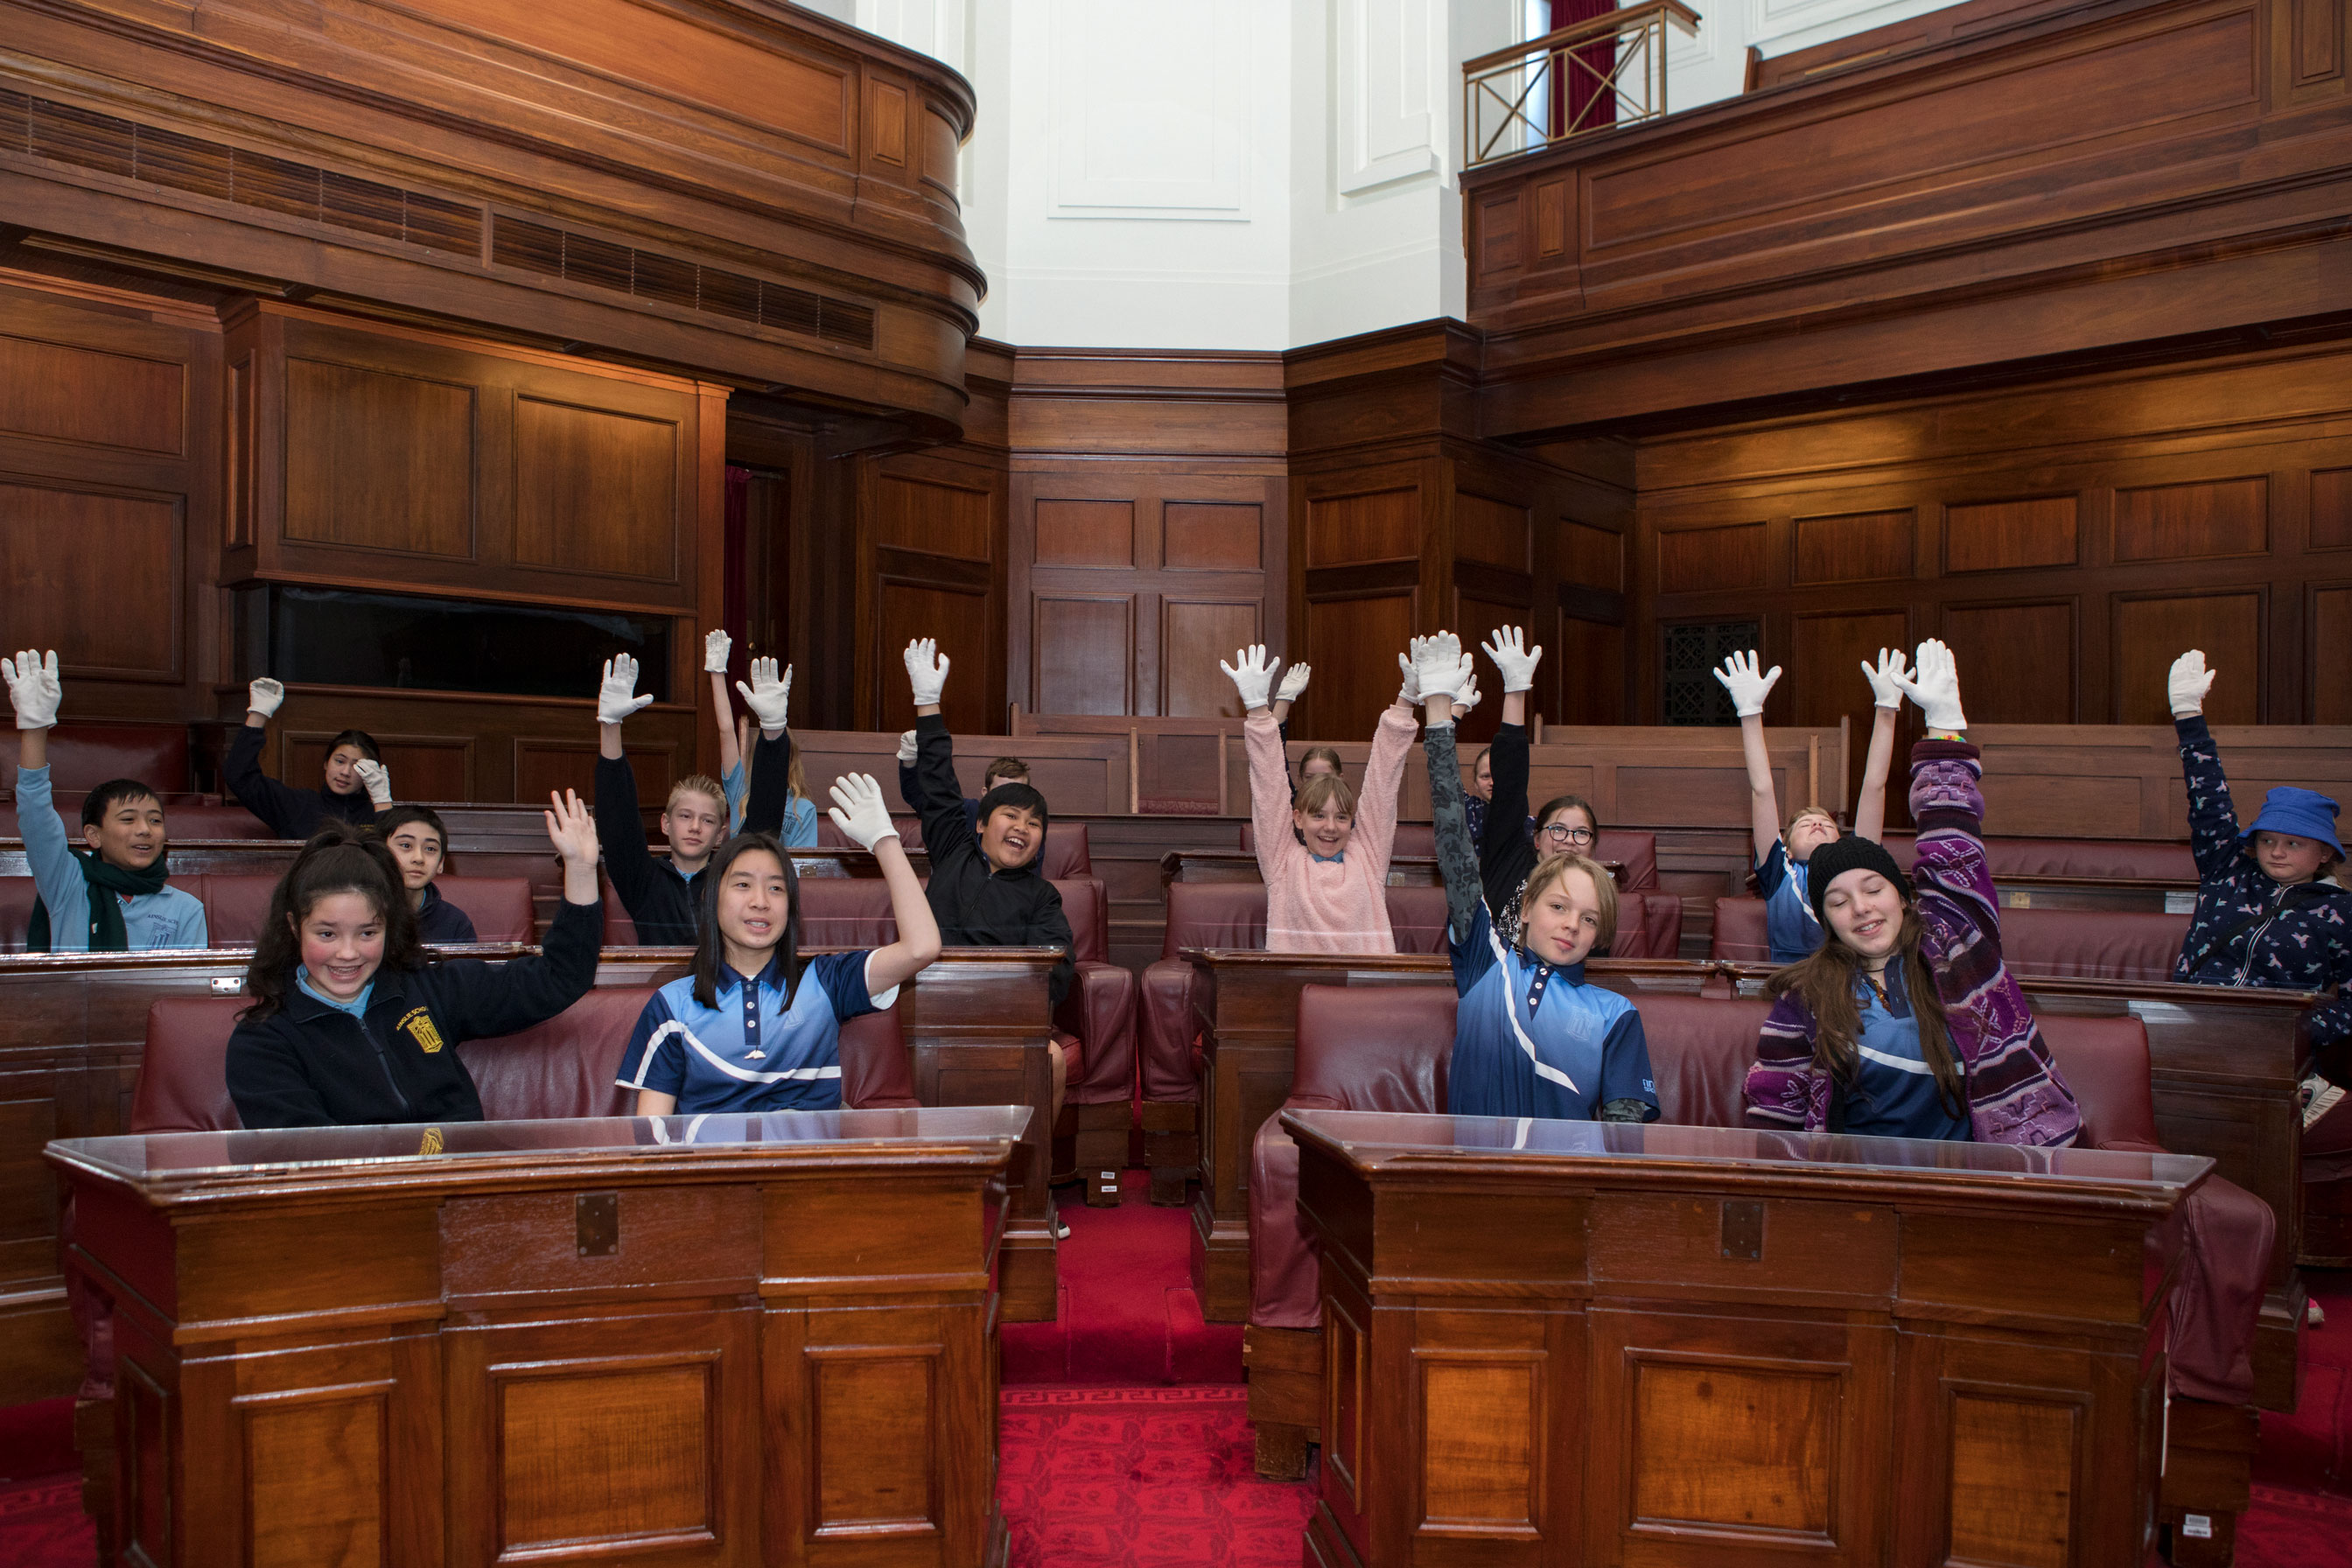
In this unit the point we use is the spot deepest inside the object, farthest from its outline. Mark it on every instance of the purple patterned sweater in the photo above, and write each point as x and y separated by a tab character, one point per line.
2014	1091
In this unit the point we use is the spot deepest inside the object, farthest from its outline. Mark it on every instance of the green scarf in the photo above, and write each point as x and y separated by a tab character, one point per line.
101	880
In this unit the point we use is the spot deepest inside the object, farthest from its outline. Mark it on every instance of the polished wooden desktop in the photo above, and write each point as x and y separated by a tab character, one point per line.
1552	1342
721	1340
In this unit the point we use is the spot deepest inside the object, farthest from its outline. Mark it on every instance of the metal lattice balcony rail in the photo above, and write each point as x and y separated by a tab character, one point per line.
1593	75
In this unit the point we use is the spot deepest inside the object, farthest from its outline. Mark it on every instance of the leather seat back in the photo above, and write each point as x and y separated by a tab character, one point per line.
563	1068
1739	934
1215	914
2092	945
846	911
16	897
237	904
2126	859
500	907
1374	1048
1088	910
184	1076
620	931
2103	1059
85	755
1700	1050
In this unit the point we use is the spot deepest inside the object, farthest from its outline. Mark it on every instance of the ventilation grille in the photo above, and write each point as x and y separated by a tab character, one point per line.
64	134
581	259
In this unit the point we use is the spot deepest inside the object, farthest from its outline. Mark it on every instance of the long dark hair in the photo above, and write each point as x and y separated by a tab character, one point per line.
339	858
1823	985
710	944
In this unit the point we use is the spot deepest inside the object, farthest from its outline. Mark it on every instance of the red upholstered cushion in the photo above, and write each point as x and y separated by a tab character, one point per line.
620	931
846	911
566	1067
1700	1050
16	896
1637	852
1739	934
1374	1048
237	905
84	755
1088	910
875	1071
1417	915
2130	860
500	907
1215	914
2105	1061
184	1076
2092	945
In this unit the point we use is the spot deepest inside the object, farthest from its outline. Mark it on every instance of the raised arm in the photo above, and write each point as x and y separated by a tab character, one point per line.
34	692
1749	690
1886	696
716	647
859	811
1458	859
627	859
1269	770
277	804
770	697
485	1001
2213	818
1294	681
937	794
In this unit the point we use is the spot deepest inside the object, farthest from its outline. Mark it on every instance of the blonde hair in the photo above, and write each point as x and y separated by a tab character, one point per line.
1803	812
696	783
1324	788
1604	889
795	781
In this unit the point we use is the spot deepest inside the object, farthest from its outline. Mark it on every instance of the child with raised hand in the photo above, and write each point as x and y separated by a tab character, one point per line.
109	896
661	895
419	846
2266	913
1326	884
1510	849
355	785
350	1025
754	1027
1781	855
1530	1036
1905	1023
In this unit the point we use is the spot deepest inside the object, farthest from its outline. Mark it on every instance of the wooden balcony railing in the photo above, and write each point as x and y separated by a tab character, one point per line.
1593	74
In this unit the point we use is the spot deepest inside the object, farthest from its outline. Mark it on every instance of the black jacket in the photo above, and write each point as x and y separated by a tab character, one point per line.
310	1065
290	813
439	920
976	905
661	902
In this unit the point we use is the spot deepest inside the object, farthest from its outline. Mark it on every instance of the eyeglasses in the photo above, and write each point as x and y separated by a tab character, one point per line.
1560	832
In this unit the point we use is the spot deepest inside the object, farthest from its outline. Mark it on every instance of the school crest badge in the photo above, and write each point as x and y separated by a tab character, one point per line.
431	1143
418	1025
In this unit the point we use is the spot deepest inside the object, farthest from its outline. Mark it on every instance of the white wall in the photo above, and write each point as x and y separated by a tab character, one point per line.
1246	173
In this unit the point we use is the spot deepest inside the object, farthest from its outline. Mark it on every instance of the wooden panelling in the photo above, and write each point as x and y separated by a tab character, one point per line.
595	490
320	1477
1491	531
545	767
1085	533
2018	661
1353	644
2012	1501
1084	650
2331	656
877	1411
935	517
423	767
957	620
1355	530
1591	656
1699	559
1592	557
1858	547
1748	1448
59	392
1211	536
2151	633
1482	1425
2179	522
1824	683
596	1452
380	461
1992	536
2331	509
96	576
1195	635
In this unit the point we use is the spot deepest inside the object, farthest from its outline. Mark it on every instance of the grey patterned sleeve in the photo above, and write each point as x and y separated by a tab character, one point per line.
1457	860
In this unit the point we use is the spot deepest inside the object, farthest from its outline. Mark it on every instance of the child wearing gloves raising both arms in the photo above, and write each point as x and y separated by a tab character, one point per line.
1326	884
1781	857
1905	1023
2266	914
356	785
663	897
754	1027
799	829
1530	1038
109	896
1509	850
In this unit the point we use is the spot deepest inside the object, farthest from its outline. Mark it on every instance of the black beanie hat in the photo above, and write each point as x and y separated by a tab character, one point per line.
1850	853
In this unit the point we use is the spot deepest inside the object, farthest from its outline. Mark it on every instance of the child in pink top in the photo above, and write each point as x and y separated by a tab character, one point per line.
1326	887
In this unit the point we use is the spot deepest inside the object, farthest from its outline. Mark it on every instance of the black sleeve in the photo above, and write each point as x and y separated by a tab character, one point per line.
1506	852
479	1001
1053	930
1455	861
267	1082
627	859
938	798
282	807
772	774
910	789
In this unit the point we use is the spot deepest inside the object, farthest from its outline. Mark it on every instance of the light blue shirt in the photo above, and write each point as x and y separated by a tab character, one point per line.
800	815
356	1006
170	918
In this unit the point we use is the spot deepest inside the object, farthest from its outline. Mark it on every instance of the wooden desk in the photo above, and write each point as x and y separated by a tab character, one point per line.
1565	1342
553	1339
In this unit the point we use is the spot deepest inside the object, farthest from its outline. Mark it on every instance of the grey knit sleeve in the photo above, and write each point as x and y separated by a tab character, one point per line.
1457	858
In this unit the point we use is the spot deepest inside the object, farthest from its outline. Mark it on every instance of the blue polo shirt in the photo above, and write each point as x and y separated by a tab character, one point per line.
755	1050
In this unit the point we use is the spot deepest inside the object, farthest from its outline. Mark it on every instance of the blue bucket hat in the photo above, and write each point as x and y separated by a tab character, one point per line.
2304	813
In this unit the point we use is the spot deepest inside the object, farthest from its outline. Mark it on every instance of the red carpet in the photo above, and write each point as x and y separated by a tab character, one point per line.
1128	1316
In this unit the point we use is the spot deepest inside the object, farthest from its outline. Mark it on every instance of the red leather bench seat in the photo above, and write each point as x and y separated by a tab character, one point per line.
2073	945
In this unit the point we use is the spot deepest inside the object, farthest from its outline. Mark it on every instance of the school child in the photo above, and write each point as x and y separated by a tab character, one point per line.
1522	840
754	1027
1781	857
356	786
1324	853
661	895
1905	1023
1481	791
419	846
1530	1036
109	896
799	830
2268	912
1000	771
351	1027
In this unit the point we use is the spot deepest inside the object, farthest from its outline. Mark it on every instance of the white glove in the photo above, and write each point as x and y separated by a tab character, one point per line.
1294	681
1885	678
1438	665
1508	650
907	748
859	811
1467	698
1253	680
1747	689
769	699
1935	686
2186	685
1409	694
33	689
716	645
377	778
617	697
926	671
264	696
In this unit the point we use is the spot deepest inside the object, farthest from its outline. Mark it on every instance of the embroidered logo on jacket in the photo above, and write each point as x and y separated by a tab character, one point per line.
431	1143
419	1024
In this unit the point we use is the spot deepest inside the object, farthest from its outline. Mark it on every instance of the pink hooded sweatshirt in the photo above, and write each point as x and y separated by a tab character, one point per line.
1333	905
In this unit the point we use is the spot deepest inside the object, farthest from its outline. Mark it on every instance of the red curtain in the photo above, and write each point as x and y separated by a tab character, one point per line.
1574	87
